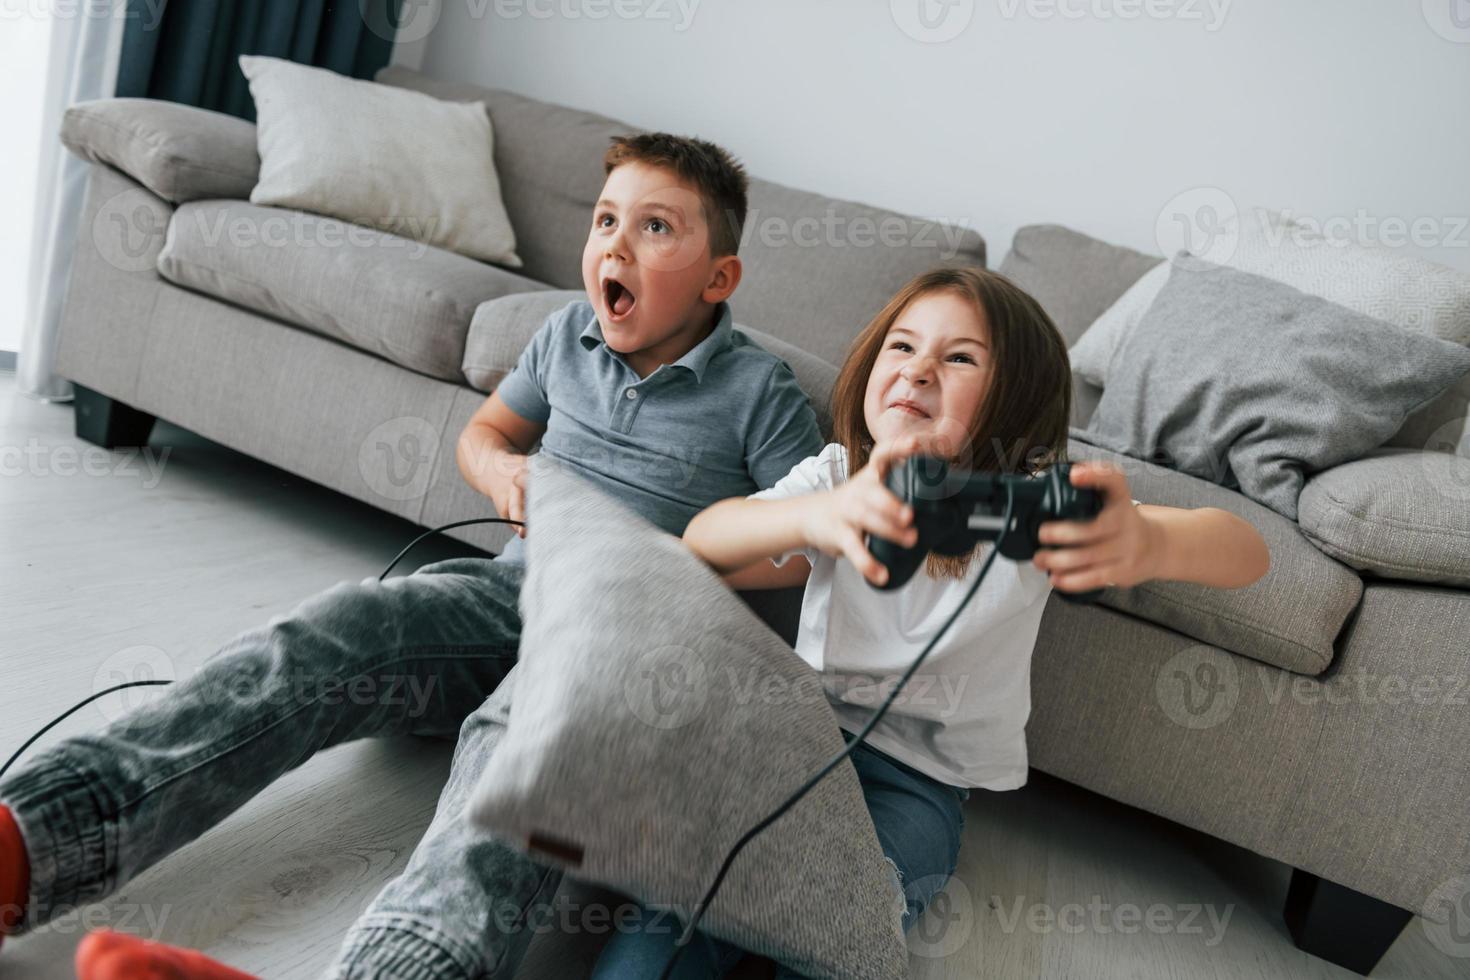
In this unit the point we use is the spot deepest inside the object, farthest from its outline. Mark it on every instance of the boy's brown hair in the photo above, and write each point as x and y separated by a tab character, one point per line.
1021	425
717	176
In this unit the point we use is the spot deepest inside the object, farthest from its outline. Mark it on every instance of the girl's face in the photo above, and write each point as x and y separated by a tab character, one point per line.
931	373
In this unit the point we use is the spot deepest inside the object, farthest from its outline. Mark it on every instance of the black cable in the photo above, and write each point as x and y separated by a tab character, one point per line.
122	687
71	711
837	760
446	527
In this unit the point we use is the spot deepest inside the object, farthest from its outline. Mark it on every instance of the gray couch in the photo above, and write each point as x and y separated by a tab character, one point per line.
1293	717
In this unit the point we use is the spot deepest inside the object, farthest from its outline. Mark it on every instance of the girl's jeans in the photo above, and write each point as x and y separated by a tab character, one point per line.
919	822
417	654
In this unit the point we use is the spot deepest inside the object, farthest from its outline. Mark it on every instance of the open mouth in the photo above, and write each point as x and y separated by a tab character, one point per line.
619	298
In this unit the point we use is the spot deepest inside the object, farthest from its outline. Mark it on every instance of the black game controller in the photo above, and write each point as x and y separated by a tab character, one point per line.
954	510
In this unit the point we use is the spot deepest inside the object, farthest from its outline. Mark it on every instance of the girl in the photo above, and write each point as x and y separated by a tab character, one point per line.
964	365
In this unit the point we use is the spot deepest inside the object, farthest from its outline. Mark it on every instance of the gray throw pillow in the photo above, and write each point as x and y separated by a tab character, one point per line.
1254	385
655	719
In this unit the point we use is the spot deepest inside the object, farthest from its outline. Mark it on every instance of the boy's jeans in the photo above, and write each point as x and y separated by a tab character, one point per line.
417	654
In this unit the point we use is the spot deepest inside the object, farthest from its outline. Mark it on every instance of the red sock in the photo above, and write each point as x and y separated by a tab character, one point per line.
15	872
108	955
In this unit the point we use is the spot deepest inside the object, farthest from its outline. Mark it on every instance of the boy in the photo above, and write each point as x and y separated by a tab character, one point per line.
647	390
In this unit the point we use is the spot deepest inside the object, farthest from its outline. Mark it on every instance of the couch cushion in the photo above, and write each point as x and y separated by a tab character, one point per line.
1407	291
635	757
1268	620
816	269
1075	278
1254	384
402	300
176	151
503	327
1397	513
380	156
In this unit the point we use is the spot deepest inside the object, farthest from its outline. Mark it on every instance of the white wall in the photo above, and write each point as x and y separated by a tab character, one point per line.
24	45
1062	111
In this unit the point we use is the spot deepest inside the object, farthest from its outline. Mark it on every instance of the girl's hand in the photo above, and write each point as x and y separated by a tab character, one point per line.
838	519
1119	547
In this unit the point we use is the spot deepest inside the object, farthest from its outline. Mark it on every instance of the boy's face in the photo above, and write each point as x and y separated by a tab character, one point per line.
647	266
931	374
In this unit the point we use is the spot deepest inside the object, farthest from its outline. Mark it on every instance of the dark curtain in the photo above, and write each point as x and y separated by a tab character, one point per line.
186	50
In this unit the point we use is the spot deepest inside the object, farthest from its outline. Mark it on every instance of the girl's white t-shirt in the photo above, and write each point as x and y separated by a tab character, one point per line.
961	719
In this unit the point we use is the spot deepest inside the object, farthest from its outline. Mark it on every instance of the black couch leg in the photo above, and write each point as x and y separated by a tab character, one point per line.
108	422
1340	925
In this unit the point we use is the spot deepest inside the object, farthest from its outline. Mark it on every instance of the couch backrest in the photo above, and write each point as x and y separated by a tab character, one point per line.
816	269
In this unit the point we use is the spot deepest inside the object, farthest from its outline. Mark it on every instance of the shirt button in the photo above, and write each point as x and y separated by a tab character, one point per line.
632	393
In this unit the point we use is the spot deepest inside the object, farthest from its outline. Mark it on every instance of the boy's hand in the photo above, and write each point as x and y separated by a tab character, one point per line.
508	487
1119	547
837	520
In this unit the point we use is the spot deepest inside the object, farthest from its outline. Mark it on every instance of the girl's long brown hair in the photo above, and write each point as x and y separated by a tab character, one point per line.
1021	425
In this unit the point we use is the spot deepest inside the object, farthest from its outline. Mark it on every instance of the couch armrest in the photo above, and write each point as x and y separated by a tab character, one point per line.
1396	513
176	151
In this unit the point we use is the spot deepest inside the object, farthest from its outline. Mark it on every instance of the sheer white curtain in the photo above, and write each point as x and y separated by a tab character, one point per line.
82	64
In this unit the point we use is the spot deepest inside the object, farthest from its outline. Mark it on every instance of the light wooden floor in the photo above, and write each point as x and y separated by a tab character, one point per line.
109	572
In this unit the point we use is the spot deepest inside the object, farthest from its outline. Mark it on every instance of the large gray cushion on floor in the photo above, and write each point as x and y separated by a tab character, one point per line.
503	327
403	300
655	720
1398	513
176	151
1252	384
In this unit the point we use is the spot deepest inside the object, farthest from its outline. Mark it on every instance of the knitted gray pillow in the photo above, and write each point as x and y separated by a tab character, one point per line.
1254	385
654	720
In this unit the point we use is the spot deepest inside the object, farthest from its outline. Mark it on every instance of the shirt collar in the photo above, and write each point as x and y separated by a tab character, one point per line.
697	358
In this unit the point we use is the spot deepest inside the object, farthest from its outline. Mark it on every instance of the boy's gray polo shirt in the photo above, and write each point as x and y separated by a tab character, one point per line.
725	420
